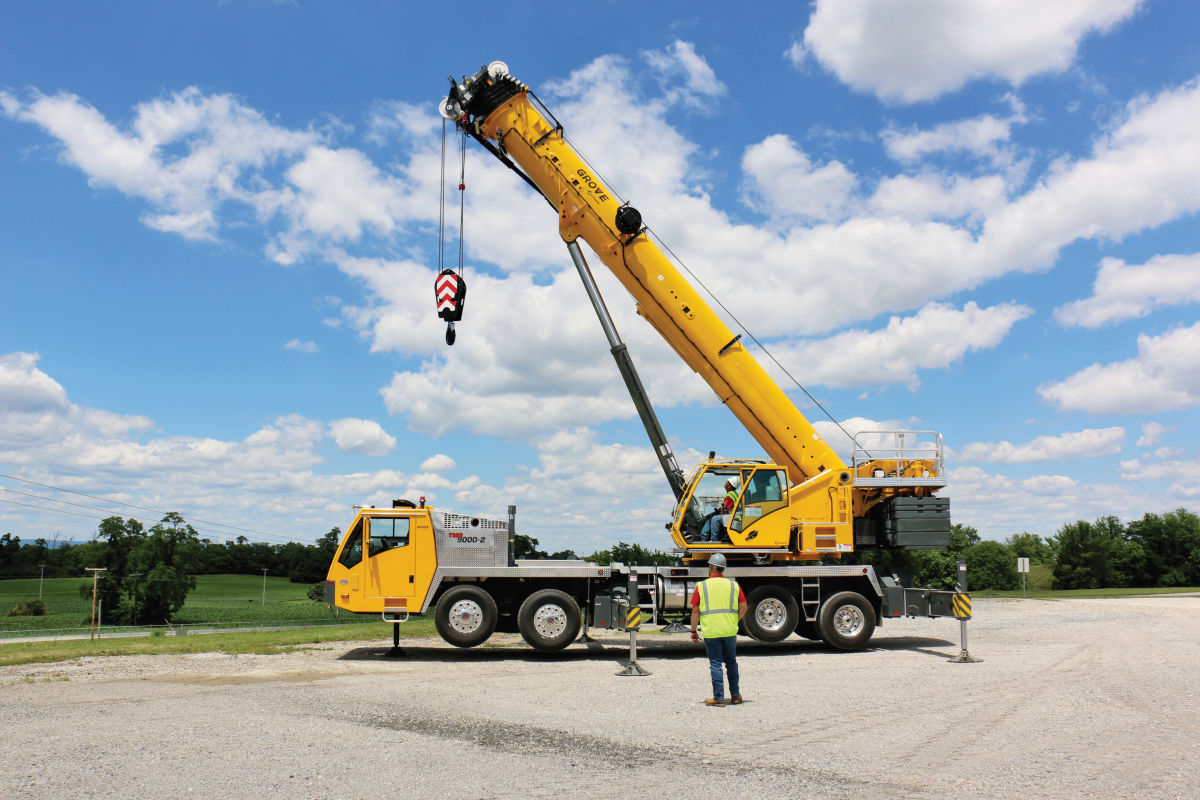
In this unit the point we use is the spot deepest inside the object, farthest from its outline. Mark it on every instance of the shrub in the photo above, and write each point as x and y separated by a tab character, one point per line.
316	592
30	608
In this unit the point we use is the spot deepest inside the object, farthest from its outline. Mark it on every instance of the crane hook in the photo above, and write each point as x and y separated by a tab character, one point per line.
450	335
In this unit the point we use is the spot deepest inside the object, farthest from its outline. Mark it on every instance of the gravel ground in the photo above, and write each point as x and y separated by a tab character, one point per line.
1072	700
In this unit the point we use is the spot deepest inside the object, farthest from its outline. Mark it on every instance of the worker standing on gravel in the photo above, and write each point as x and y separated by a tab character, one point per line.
718	604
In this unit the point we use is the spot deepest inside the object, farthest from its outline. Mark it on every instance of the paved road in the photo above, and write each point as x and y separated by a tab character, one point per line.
1073	700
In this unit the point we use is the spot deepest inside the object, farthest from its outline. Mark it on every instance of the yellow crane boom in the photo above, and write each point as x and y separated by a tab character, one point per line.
588	210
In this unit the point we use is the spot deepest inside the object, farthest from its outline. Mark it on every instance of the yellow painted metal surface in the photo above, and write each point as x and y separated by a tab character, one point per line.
394	579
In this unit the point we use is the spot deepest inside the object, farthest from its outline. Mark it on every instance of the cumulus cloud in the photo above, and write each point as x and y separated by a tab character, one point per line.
1183	476
912	50
1152	433
303	347
227	146
1164	375
1125	292
361	436
783	182
685	76
36	405
1088	443
978	136
439	463
529	356
935	337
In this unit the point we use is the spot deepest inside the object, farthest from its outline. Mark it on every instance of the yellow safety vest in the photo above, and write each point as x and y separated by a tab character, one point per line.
718	607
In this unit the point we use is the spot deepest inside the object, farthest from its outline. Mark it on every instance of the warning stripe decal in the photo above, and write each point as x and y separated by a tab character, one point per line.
962	606
634	618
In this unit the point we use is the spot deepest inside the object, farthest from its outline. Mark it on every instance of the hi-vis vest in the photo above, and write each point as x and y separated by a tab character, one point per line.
718	607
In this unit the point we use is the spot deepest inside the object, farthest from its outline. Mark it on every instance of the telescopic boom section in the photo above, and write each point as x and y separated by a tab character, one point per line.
495	108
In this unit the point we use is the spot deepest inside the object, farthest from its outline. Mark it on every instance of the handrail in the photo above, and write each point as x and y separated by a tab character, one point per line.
902	453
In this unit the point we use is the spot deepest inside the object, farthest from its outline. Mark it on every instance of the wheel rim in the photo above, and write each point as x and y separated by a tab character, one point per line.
771	614
466	616
848	620
550	621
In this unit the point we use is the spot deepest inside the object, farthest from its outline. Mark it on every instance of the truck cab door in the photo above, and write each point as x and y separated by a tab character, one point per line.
348	569
390	563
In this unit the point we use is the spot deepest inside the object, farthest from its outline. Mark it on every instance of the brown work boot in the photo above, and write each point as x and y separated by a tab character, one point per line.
736	700
708	701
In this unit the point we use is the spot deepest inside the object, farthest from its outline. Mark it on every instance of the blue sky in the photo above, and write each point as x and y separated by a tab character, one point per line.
218	230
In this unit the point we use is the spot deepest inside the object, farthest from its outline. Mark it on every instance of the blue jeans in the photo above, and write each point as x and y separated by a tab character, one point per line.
723	651
711	530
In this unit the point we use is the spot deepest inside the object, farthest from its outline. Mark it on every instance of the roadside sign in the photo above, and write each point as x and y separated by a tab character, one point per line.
1022	565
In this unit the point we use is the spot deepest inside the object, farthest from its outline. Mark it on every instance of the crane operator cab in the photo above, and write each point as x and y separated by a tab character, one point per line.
734	504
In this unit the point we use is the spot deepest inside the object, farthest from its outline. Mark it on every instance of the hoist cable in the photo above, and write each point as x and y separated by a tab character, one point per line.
462	197
442	205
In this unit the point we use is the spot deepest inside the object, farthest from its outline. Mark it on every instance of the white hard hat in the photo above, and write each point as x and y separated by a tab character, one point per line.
734	481
716	560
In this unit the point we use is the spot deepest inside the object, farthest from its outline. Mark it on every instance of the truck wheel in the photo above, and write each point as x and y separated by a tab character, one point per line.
808	630
549	620
846	621
771	614
465	616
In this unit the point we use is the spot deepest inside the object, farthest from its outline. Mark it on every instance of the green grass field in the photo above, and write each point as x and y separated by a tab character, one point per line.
216	599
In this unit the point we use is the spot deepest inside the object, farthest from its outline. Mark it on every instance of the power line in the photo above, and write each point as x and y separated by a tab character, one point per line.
131	516
131	505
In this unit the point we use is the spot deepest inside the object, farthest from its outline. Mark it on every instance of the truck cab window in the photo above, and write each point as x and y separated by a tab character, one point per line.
388	534
352	547
765	492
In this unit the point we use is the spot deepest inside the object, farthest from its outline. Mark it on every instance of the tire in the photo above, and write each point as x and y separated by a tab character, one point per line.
465	616
808	630
846	621
549	620
771	614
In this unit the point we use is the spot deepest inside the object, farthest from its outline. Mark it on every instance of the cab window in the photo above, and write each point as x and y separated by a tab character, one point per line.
388	534
766	491
352	547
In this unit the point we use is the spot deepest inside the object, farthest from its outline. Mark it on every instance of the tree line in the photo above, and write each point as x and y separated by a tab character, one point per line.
149	571
1151	552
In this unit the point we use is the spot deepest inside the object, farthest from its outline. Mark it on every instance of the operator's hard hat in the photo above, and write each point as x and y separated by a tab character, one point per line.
734	481
716	560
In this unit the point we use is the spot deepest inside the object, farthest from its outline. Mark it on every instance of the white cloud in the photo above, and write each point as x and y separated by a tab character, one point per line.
361	436
1000	506
681	61
978	135
391	118
529	355
303	347
1088	443
227	147
1184	476
439	463
36	404
911	50
1152	433
841	435
783	182
935	337
1127	292
1164	375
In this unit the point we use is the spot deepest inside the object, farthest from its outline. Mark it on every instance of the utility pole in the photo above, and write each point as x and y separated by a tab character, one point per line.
41	579
264	588
95	579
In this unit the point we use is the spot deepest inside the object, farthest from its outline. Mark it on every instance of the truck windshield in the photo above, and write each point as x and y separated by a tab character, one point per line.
352	547
388	534
710	490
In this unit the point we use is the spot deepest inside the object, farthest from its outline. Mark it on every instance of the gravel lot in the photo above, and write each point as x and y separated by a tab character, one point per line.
1073	699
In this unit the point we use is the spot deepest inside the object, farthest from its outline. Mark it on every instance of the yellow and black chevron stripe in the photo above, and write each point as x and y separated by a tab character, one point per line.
633	620
961	605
